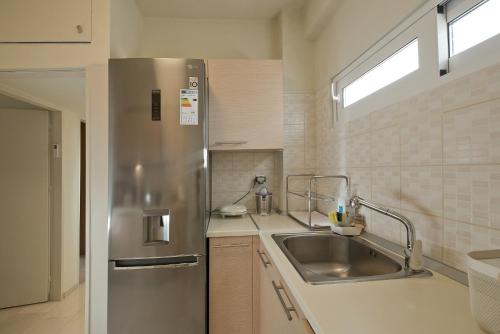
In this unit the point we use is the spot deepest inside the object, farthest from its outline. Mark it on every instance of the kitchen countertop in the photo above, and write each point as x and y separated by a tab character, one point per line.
244	226
231	227
430	305
277	223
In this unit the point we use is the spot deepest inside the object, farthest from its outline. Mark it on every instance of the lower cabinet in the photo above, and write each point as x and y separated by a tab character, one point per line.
231	285
278	311
247	294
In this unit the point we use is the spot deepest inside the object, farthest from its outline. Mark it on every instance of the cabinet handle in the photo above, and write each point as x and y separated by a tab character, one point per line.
230	142
264	261
288	310
230	245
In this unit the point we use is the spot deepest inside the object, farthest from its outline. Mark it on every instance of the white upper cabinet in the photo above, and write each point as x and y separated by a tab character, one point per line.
45	21
245	104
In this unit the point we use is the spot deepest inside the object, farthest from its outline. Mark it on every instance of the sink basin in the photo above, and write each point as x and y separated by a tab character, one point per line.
322	258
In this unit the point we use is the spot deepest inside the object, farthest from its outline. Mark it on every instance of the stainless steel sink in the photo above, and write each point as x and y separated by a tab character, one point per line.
322	258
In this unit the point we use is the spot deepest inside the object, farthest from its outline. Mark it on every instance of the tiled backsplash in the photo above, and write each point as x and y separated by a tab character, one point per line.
233	174
299	156
434	157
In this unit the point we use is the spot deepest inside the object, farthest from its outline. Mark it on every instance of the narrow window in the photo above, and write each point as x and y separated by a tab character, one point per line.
393	68
474	26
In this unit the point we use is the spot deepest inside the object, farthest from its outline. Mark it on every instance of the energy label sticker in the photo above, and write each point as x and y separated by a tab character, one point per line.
189	107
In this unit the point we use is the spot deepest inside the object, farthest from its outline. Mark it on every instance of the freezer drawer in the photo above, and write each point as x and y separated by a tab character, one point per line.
165	295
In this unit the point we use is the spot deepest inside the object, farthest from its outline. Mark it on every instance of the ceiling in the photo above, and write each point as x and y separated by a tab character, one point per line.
215	9
53	90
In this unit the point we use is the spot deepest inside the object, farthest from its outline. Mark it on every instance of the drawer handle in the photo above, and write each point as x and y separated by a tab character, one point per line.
288	310
235	142
231	246
266	261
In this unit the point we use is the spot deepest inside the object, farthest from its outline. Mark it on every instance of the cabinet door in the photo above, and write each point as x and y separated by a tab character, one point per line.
274	302
45	21
231	285
245	104
256	283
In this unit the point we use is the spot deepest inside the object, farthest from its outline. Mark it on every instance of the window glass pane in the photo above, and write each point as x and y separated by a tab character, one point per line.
475	27
392	69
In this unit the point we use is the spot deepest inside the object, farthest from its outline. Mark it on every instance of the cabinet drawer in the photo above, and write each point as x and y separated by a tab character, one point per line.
228	242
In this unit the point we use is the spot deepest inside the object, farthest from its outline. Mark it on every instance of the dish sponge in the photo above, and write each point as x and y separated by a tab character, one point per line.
333	217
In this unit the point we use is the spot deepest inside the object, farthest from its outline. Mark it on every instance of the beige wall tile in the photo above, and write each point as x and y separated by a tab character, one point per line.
358	151
386	186
310	157
466	194
293	109
430	230
359	126
222	161
386	117
460	238
476	87
243	161
385	147
422	189
233	174
361	184
294	157
466	138
436	156
294	135
264	161
385	227
421	136
223	180
494	196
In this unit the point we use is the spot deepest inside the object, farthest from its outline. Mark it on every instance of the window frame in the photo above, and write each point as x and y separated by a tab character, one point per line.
428	23
423	30
343	91
456	10
467	60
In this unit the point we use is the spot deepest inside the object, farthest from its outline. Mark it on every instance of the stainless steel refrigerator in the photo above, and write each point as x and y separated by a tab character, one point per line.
157	173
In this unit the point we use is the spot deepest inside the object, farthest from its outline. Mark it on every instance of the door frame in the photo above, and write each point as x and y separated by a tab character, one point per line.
55	169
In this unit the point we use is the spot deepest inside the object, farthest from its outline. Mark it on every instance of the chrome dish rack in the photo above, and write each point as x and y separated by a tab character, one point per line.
311	217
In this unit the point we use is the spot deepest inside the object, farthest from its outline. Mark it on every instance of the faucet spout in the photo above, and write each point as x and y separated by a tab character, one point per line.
356	202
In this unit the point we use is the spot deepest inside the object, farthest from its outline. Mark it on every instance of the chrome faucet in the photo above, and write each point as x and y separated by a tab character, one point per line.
356	202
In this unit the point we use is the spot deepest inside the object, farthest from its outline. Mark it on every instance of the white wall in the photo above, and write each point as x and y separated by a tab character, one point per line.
82	55
354	27
209	38
126	29
97	197
70	206
297	52
317	14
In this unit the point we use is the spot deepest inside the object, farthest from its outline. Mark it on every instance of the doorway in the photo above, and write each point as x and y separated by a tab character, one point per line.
42	201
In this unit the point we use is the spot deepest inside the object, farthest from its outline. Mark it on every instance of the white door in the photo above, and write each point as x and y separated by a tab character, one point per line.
24	207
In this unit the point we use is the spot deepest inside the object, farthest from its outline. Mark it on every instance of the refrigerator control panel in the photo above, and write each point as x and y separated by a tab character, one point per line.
156	105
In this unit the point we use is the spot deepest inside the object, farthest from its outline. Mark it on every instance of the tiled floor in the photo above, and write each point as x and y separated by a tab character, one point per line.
62	317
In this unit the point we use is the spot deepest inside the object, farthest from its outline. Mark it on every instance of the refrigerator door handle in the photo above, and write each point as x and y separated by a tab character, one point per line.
156	263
